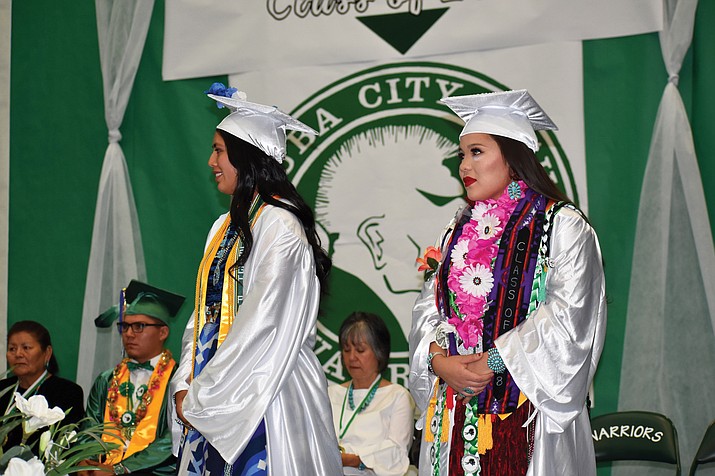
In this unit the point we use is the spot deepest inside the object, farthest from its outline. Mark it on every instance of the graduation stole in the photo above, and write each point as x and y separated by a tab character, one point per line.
232	292
511	297
137	427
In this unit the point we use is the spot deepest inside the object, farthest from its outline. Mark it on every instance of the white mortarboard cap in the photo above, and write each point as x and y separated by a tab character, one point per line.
512	114
260	125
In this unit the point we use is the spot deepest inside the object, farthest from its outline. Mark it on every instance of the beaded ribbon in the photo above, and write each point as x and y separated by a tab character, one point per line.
538	289
436	428
470	460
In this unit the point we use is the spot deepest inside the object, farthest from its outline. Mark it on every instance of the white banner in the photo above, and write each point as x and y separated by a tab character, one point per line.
380	175
220	37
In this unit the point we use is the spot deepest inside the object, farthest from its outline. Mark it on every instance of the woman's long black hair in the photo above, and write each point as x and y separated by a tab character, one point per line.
259	172
526	166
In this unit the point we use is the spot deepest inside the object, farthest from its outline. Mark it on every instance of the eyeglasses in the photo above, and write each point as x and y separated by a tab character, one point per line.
137	327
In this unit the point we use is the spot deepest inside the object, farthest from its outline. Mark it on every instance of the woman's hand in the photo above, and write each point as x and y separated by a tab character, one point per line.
464	373
481	369
179	402
351	460
480	366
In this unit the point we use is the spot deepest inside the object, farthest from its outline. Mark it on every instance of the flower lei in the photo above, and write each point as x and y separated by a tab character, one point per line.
471	278
129	420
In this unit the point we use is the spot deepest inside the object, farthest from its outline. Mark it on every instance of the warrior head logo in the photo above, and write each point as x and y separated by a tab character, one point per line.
382	178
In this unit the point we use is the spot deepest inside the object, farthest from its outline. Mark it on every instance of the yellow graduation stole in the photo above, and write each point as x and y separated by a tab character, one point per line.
138	429
229	293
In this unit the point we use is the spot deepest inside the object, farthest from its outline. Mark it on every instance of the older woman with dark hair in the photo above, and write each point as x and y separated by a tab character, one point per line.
29	356
373	417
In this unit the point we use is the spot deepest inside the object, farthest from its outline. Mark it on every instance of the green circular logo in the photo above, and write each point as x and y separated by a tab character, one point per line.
382	179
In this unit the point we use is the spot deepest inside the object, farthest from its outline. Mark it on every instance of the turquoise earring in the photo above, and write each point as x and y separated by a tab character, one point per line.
514	190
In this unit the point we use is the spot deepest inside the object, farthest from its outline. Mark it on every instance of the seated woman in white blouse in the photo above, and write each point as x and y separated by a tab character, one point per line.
374	418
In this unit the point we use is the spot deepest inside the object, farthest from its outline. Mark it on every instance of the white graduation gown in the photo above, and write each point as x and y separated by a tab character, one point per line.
552	355
266	367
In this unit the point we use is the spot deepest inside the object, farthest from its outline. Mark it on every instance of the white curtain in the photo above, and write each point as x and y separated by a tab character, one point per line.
5	23
669	351
116	255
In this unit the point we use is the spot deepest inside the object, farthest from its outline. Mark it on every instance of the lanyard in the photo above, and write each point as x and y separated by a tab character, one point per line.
357	409
30	391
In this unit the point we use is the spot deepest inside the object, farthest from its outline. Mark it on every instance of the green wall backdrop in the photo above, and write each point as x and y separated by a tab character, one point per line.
58	139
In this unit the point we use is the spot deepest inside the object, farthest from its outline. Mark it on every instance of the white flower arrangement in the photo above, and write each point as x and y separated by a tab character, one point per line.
20	467
62	449
37	413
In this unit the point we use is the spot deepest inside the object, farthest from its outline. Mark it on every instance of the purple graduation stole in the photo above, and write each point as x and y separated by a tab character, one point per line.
509	298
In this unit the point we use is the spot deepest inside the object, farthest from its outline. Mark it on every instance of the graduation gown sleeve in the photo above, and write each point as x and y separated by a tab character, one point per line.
97	398
553	354
425	319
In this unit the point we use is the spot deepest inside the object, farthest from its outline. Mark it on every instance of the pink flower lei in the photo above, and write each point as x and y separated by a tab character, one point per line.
471	278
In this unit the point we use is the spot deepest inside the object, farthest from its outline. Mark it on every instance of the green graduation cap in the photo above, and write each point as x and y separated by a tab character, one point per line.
142	298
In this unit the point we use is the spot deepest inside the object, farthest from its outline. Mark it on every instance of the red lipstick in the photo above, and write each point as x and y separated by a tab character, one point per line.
468	181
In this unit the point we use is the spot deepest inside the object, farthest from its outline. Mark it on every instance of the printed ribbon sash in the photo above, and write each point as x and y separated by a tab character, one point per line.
232	293
512	292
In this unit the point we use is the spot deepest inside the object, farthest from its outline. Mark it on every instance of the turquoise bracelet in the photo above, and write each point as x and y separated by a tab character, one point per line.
431	356
495	362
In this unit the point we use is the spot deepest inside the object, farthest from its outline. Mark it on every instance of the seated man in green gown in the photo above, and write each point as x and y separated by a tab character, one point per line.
131	398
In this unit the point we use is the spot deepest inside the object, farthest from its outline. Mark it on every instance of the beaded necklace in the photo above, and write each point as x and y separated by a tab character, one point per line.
365	402
363	405
127	422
